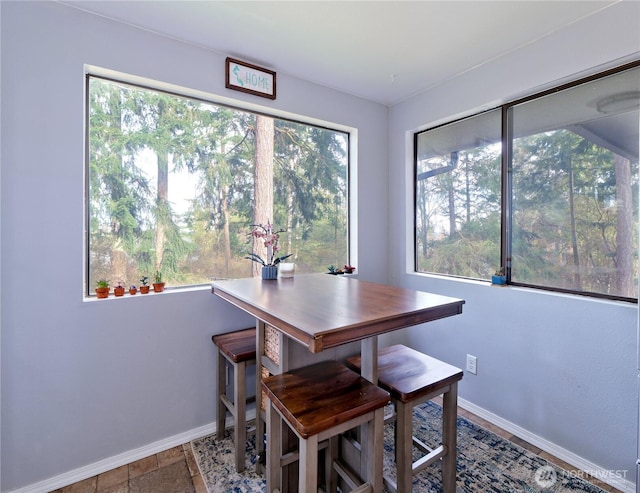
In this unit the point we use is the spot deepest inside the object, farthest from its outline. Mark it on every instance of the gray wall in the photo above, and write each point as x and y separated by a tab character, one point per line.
562	368
86	382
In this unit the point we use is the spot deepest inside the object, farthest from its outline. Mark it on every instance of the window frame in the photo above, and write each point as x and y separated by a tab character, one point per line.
506	200
90	72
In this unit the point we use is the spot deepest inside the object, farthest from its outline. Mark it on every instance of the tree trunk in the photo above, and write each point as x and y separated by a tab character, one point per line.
624	229
263	181
118	262
452	198
224	193
577	280
289	226
467	177
422	205
162	207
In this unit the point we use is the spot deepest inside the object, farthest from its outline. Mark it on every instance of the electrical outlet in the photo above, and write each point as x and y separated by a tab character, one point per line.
472	364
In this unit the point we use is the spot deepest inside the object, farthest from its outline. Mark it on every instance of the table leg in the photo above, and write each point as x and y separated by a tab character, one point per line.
369	370
260	425
369	359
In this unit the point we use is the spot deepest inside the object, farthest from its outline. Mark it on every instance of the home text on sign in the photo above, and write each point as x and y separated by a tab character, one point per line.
249	78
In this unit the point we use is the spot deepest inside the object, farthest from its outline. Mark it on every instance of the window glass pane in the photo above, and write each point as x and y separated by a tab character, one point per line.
173	184
458	169
575	188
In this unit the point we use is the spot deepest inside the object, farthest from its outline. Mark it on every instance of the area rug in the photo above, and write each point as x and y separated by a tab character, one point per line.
486	463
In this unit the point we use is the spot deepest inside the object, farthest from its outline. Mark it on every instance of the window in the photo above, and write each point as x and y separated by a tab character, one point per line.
458	197
175	183
569	220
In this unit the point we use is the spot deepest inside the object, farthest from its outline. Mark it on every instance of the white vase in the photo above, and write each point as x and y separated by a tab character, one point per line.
287	269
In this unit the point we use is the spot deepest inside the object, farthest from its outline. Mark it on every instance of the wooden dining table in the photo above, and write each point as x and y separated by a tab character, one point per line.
321	313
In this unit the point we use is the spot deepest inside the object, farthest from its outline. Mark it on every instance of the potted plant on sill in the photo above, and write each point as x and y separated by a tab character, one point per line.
119	289
335	271
499	278
144	285
270	239
133	290
158	286
102	288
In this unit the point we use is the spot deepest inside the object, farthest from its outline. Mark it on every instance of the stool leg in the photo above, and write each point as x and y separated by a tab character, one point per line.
331	453
449	438
240	406
274	448
308	474
375	445
221	390
404	446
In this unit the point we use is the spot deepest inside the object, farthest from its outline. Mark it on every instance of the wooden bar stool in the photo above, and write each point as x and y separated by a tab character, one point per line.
413	378
238	350
318	403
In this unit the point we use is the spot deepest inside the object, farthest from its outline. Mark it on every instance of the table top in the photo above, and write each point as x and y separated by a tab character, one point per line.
321	311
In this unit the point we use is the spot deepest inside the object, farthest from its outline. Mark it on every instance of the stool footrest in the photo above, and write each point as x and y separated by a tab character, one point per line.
427	460
365	488
352	480
420	445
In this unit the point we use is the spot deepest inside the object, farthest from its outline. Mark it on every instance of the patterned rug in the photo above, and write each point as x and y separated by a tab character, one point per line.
486	463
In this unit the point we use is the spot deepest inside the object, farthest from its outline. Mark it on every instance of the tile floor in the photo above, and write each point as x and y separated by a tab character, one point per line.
175	470
172	471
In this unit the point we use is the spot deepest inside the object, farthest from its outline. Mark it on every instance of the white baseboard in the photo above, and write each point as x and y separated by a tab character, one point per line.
578	462
116	461
128	457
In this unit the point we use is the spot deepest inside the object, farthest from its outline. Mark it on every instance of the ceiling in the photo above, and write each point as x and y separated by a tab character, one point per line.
383	51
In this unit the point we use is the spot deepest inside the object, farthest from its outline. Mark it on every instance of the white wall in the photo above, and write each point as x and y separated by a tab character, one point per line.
83	382
560	367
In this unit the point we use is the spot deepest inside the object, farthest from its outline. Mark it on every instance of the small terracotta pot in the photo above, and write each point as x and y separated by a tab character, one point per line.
158	287
102	292
133	291
118	291
144	289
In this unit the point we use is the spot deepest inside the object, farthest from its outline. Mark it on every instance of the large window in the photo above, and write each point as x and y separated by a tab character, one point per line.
174	185
568	162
